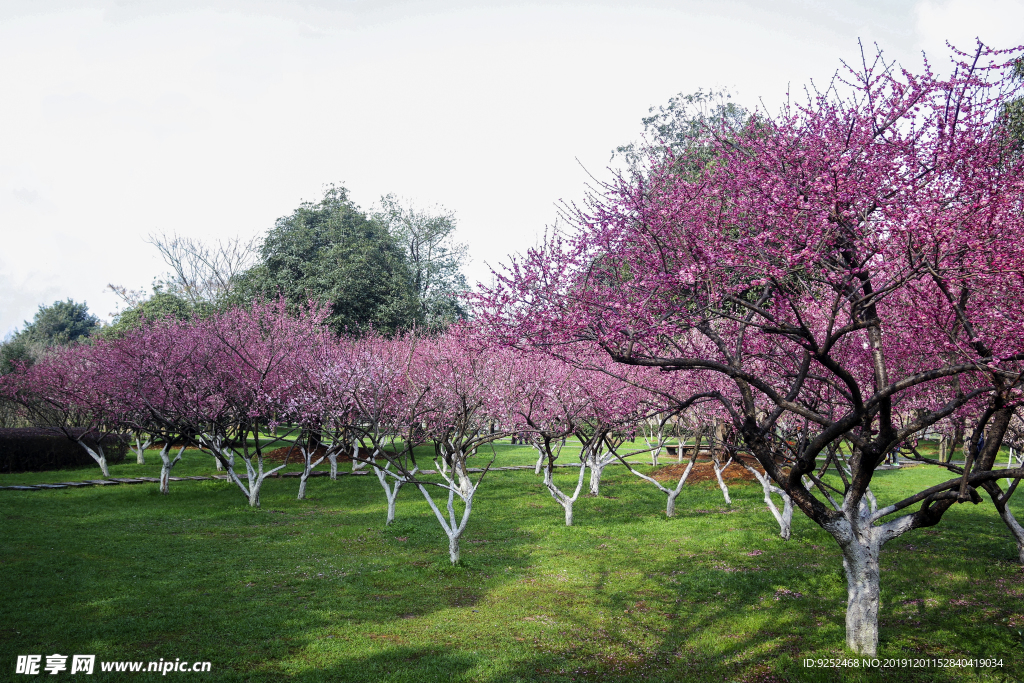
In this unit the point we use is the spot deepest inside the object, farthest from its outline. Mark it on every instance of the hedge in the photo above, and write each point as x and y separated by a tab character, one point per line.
30	449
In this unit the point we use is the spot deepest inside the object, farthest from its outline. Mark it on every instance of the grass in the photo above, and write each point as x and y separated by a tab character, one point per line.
321	590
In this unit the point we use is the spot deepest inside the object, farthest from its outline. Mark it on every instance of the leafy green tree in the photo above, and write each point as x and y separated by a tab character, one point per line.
61	324
14	350
332	252
682	128
1013	111
159	306
433	256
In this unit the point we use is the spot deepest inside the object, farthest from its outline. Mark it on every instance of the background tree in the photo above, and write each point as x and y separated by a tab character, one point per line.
61	324
680	129
433	256
202	273
161	305
1013	111
331	252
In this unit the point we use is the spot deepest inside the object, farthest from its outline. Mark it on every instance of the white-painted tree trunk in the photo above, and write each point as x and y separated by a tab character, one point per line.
1009	464
254	474
97	455
356	465
597	463
672	494
861	541
307	467
785	517
166	465
256	478
390	490
540	461
333	458
721	482
565	501
1015	528
453	527
860	563
140	448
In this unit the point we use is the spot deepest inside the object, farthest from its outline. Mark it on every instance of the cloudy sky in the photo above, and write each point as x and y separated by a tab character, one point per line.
123	118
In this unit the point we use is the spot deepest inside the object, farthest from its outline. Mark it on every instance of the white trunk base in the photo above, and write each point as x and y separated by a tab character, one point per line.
97	455
860	563
565	501
1016	529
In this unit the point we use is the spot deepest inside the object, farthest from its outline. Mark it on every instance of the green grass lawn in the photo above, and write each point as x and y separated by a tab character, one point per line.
320	590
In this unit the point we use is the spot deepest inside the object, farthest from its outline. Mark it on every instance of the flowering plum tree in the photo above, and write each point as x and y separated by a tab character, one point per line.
464	389
548	401
386	408
222	381
850	261
67	392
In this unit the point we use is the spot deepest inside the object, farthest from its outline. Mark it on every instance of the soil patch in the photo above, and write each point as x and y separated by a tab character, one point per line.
703	471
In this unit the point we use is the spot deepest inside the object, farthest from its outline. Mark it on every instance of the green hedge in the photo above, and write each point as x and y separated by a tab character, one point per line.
30	449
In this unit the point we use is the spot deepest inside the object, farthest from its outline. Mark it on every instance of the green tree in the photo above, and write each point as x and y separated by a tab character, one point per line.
331	251
682	128
160	305
61	324
1013	111
433	256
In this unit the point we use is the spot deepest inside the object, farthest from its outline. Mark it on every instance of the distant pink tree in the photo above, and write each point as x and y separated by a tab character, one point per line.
67	392
224	382
387	409
463	390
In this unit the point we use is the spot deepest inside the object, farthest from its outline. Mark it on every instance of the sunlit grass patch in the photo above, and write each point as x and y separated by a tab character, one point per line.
320	589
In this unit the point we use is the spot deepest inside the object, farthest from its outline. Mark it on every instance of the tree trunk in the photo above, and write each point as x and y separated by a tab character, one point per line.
564	500
97	455
166	465
140	451
453	527
390	491
307	468
1015	528
959	426
997	496
391	509
860	563
334	466
453	547
784	518
721	482
596	470
670	506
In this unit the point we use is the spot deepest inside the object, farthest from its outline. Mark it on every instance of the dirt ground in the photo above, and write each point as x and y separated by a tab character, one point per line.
296	455
703	471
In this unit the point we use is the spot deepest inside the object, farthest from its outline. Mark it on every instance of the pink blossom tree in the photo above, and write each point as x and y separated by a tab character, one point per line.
463	390
67	392
830	262
387	407
224	382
